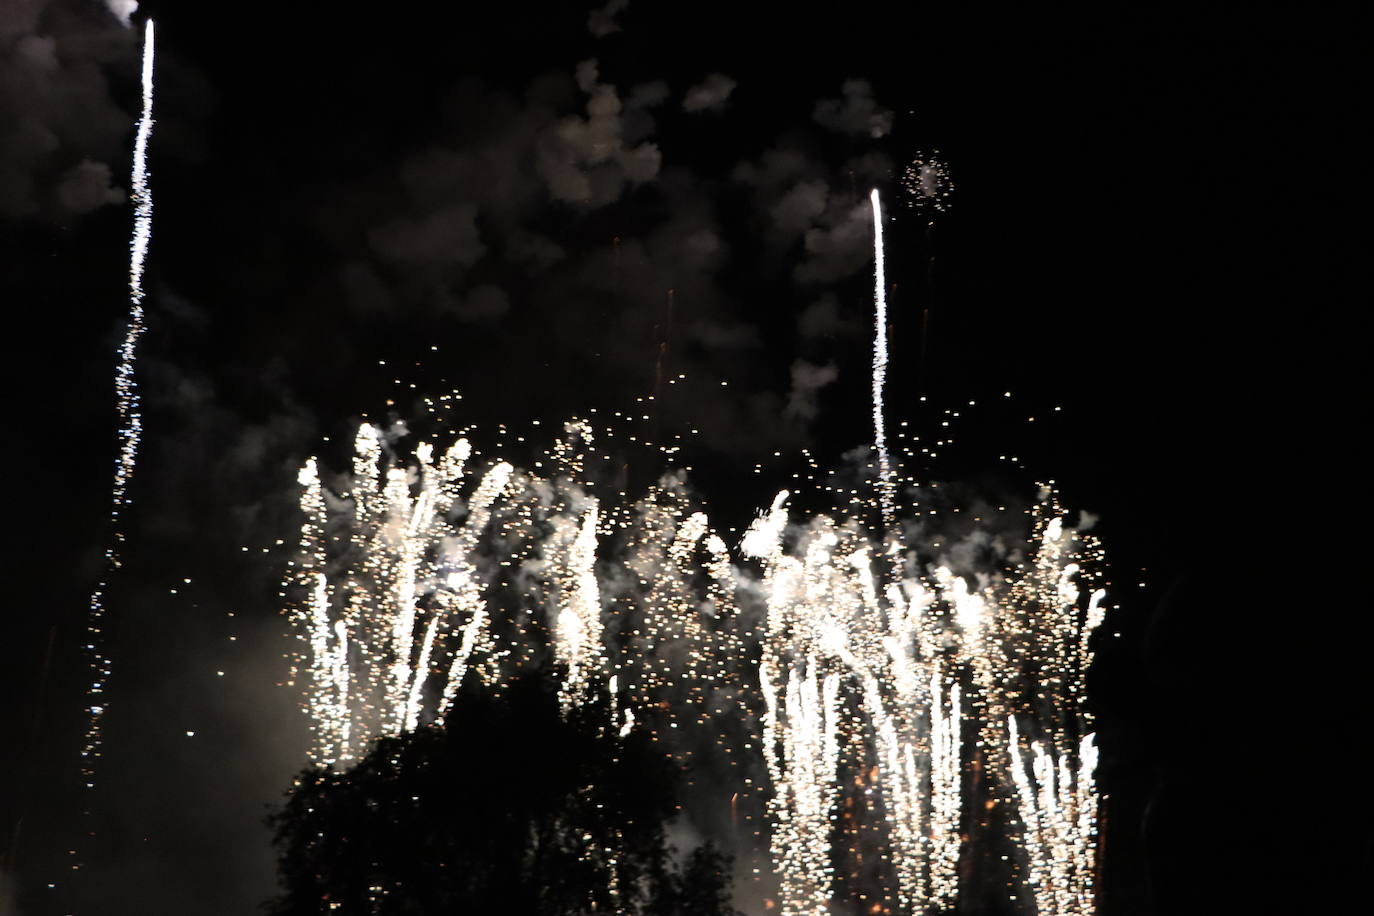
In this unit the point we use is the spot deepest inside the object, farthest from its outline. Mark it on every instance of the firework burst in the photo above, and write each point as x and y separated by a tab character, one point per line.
831	648
928	185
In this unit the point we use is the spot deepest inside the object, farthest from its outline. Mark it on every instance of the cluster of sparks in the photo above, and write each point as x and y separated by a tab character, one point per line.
398	575
418	577
130	429
897	672
823	647
928	185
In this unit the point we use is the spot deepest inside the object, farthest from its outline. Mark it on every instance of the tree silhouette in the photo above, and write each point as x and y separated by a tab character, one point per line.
510	808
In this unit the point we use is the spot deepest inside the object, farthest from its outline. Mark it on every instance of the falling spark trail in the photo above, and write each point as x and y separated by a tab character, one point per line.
130	417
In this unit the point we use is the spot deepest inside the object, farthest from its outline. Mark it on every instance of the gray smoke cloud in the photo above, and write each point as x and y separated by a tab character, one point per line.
482	303
602	22
123	10
60	128
711	93
823	319
856	112
826	210
559	207
86	186
807	381
441	237
840	241
8	905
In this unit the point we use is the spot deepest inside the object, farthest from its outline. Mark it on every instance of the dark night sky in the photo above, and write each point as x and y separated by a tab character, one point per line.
1141	232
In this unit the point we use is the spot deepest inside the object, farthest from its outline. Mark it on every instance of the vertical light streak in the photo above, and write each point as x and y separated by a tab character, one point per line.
1085	846
945	785
826	613
421	673
1058	809
886	484
577	625
130	428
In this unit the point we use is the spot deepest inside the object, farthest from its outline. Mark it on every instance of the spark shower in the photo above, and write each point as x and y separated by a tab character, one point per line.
830	651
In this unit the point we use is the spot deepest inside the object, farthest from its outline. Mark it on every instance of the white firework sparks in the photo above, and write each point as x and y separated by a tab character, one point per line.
443	570
872	667
1058	810
928	184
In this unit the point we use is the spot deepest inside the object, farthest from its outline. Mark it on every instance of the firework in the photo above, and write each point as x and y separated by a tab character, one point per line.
130	431
928	185
422	573
886	495
868	657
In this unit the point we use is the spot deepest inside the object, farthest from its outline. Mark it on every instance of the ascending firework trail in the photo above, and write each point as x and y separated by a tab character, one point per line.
886	485
130	425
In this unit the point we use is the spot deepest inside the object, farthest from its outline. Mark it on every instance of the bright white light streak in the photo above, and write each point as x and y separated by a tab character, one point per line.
130	422
577	630
1059	823
886	484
